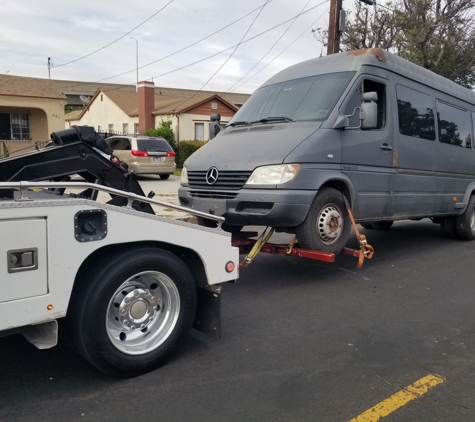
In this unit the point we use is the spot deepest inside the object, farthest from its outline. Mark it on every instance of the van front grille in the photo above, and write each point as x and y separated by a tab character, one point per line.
228	180
213	194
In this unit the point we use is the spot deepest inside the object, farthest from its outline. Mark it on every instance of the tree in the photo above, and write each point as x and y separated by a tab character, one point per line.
438	35
165	131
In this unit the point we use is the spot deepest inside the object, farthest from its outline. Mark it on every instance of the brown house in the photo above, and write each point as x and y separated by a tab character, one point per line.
30	109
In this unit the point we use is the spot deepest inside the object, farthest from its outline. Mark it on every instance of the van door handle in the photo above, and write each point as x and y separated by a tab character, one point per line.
386	147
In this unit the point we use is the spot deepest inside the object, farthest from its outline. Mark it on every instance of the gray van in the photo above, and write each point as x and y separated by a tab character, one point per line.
364	129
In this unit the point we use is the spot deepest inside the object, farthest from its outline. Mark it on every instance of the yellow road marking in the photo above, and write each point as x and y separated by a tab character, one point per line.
401	398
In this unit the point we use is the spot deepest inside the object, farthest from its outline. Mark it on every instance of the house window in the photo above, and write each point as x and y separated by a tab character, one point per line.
214	106
125	128
111	127
14	127
136	128
99	128
199	131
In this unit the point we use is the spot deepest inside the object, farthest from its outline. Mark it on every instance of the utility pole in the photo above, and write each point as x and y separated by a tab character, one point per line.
336	25
334	28
49	67
136	61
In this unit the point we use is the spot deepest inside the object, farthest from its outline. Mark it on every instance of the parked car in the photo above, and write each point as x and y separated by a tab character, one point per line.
144	154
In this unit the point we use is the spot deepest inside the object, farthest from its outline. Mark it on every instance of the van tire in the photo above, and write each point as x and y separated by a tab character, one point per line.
448	227
327	225
367	226
382	225
465	223
164	176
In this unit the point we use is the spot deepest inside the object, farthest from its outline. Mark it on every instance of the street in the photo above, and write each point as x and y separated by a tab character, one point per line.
302	340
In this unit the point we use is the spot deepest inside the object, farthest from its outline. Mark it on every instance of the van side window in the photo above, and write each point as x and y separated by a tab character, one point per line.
455	127
416	113
355	101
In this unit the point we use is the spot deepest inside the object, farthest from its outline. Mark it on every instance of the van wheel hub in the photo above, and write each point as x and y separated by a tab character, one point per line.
329	223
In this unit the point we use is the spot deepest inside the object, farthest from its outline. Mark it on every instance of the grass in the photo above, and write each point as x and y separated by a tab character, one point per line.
177	172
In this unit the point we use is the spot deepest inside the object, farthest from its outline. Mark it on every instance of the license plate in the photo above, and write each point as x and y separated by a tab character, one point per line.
157	159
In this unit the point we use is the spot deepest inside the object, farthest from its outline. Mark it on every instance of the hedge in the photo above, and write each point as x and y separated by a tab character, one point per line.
185	149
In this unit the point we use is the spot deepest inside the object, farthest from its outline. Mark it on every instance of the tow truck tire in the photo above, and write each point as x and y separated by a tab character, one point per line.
327	225
164	176
131	311
465	223
447	227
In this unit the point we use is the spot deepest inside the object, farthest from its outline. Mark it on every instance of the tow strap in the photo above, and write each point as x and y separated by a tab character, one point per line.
366	251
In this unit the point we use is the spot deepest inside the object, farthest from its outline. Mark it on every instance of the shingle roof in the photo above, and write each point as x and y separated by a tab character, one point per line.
19	86
73	115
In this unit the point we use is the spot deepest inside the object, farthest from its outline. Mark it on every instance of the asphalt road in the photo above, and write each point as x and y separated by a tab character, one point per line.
302	341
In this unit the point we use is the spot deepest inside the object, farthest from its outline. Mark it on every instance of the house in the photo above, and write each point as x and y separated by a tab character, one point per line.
30	109
121	110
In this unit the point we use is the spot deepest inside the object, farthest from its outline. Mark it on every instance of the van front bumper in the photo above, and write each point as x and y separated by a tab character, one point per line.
256	207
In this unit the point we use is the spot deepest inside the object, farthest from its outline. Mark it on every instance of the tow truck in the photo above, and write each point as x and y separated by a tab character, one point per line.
125	285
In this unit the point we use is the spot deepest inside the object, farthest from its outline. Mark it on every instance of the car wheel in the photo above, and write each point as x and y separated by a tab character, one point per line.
465	223
367	226
382	225
447	226
230	228
134	312
327	225
164	176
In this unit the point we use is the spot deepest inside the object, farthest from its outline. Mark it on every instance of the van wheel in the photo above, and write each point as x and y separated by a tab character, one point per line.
327	225
367	226
382	225
465	223
164	176
134	312
447	226
230	228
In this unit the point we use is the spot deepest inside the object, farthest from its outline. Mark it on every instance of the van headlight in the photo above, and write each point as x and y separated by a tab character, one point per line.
273	175
184	177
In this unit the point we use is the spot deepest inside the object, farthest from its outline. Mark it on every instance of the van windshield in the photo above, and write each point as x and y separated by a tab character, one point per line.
310	98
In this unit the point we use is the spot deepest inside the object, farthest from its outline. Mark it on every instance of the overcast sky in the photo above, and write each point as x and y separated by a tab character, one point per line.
32	30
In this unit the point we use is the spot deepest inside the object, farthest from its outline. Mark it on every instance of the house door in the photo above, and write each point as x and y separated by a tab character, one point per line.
5	128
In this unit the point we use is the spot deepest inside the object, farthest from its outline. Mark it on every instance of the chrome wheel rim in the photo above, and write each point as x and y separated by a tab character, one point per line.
472	220
142	312
329	224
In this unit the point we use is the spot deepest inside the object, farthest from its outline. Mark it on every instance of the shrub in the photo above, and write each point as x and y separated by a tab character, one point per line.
185	149
165	131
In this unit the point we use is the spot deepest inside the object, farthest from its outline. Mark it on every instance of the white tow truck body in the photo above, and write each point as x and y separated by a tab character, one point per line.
49	244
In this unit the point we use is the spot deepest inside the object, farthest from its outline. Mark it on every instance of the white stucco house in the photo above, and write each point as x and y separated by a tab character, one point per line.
122	110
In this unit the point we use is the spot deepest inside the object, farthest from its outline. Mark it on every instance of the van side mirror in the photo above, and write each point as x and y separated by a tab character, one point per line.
369	111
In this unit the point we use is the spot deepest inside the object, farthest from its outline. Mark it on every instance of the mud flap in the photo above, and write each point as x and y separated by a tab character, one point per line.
208	311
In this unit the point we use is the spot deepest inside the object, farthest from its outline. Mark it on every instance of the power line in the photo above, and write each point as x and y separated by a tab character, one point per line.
229	48
182	49
215	73
284	50
244	42
268	51
113	42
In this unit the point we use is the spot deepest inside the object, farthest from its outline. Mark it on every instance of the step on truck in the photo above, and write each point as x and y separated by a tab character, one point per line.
126	286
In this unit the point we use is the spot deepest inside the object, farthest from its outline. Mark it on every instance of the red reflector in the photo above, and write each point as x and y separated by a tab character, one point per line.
229	266
170	154
136	153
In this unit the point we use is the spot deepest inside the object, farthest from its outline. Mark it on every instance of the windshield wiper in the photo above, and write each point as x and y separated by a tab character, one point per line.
274	119
243	123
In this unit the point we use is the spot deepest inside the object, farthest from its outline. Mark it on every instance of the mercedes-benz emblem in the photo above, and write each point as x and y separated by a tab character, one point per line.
212	176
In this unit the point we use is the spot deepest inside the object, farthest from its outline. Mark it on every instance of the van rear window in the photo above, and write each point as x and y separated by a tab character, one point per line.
153	145
310	98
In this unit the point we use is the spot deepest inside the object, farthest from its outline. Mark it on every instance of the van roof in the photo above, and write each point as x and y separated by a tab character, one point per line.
354	60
